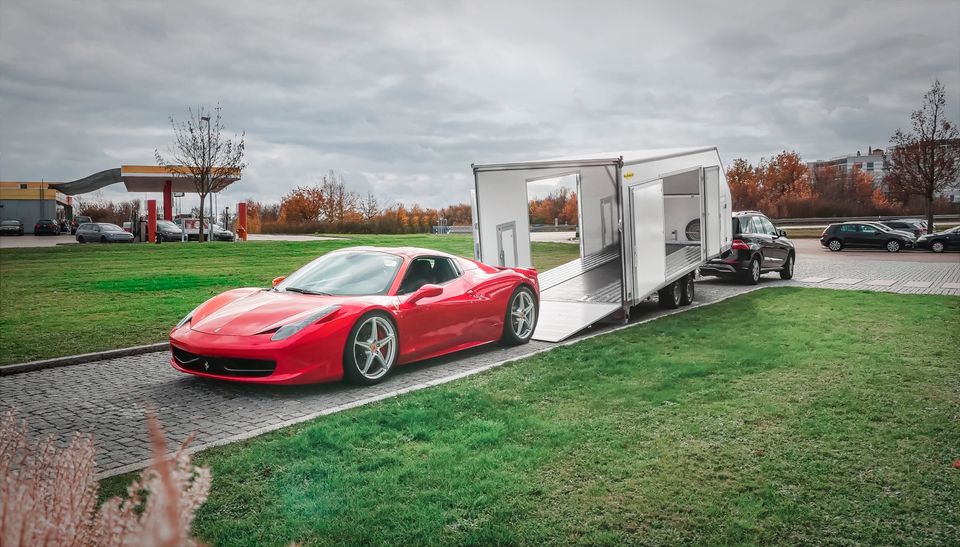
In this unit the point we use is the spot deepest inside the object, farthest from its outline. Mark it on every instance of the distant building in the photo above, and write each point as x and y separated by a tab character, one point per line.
29	202
874	162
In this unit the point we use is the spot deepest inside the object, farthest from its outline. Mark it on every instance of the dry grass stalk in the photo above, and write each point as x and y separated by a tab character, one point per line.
48	494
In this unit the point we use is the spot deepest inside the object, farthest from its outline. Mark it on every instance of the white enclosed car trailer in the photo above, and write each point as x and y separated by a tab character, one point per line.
646	219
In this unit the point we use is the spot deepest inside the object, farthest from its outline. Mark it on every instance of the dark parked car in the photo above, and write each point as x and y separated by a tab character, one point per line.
102	232
909	226
46	226
758	247
865	235
77	221
168	231
11	228
947	240
222	234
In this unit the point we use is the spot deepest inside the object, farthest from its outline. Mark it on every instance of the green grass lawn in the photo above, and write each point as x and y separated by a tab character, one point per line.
67	300
785	416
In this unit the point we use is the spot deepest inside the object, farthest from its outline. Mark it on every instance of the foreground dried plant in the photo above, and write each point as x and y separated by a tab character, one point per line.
48	494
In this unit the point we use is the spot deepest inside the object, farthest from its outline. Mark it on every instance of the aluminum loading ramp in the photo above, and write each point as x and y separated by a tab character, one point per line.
578	294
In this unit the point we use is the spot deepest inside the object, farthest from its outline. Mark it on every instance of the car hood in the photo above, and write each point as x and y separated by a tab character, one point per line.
261	311
902	233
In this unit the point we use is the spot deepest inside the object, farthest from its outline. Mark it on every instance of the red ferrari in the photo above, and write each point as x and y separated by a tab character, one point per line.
356	314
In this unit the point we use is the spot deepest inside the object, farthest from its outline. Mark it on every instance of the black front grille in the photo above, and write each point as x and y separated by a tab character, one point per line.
224	366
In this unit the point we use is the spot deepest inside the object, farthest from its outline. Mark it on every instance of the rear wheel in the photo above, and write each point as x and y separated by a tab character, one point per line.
835	245
371	349
752	276
937	247
893	246
688	290
521	318
669	297
787	271
81	239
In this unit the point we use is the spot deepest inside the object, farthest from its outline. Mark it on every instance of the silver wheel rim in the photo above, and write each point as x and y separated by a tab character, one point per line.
523	315
690	289
834	245
755	270
893	246
676	292
375	347
937	247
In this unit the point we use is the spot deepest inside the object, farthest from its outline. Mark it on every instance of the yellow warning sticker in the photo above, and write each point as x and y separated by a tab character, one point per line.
628	175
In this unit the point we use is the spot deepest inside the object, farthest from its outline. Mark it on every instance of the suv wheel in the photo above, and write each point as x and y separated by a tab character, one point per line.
752	276
893	246
835	245
787	271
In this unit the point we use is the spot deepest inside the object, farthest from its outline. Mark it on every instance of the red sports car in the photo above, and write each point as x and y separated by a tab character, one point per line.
356	313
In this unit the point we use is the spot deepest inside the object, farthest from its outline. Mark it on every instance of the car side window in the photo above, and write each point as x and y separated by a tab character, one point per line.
767	226
848	228
428	270
867	229
746	225
444	270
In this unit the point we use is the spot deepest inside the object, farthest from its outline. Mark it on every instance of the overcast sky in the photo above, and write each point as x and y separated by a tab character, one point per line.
401	97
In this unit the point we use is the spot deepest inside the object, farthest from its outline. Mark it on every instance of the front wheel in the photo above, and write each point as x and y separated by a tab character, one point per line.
893	246
937	247
371	349
688	290
787	271
521	318
835	245
80	239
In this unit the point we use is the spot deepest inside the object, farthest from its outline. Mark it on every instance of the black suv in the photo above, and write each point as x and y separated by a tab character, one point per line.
757	248
865	234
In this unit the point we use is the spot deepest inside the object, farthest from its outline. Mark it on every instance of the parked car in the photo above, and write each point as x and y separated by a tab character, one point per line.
102	232
947	240
64	227
222	234
46	226
356	313
758	247
168	231
77	221
910	226
865	235
11	228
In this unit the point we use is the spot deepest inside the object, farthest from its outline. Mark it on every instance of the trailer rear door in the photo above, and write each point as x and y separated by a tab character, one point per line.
712	234
646	225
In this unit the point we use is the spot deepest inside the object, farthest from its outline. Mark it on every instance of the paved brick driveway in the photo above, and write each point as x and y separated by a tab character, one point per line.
107	398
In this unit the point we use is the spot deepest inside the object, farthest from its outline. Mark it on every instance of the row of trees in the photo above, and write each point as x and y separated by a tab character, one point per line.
559	206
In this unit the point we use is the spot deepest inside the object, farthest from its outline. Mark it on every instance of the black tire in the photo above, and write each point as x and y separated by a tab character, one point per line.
80	239
787	271
938	246
893	246
511	336
103	239
352	368
752	275
668	297
835	245
688	290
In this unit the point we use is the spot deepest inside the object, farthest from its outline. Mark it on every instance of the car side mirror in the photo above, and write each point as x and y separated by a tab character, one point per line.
278	280
427	291
782	233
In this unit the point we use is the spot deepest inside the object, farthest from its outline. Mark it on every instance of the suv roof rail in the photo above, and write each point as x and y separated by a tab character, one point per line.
747	212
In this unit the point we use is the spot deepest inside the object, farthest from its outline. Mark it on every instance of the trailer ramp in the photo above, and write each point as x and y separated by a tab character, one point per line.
578	294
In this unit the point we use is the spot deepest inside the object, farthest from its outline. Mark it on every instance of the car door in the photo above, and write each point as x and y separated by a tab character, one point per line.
871	236
436	324
776	254
763	240
953	239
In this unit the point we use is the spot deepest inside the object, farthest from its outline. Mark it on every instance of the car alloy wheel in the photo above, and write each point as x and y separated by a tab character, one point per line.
755	271
893	246
835	245
521	317
373	348
787	271
937	247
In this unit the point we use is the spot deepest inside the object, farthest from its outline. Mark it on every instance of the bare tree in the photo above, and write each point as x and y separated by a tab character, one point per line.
211	159
369	209
338	201
926	160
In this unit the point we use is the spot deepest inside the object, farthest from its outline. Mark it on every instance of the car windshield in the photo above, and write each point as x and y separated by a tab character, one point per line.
348	273
168	225
10	223
110	228
954	230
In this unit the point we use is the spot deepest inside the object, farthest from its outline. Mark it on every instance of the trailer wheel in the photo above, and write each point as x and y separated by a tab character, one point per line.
686	298
669	296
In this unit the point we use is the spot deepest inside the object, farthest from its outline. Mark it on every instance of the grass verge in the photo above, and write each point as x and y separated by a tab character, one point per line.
789	415
74	299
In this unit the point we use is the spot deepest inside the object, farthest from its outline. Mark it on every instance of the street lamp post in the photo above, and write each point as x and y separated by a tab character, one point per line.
206	174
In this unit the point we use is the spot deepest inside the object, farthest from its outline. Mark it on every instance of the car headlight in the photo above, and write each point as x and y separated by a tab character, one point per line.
187	318
287	331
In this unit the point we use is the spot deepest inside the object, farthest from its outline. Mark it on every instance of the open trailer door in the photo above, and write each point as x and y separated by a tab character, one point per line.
712	211
645	220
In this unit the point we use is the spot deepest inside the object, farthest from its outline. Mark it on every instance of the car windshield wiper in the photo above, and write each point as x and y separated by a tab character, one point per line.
305	291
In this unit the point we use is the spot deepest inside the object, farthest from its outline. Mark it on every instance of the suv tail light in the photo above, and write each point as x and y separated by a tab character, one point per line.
739	244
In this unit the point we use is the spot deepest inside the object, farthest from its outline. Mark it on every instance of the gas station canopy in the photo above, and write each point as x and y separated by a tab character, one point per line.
138	178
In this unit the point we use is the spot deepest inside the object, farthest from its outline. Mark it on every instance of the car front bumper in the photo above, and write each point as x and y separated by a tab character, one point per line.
297	360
